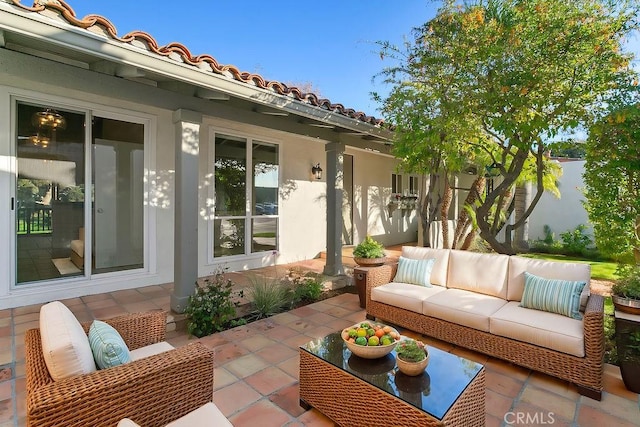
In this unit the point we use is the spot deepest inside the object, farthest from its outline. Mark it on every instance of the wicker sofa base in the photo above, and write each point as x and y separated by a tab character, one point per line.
584	372
340	396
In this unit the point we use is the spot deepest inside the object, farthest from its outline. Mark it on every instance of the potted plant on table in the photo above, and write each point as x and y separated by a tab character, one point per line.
369	253
626	298
412	357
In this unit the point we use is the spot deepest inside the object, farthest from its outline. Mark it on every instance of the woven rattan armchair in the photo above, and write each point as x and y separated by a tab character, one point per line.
154	391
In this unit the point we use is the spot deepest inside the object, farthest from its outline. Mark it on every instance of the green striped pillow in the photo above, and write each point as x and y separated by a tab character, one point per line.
552	295
108	347
415	271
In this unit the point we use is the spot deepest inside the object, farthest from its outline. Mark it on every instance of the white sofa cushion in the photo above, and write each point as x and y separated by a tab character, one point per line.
404	295
150	350
549	330
465	308
439	270
205	416
549	270
65	345
477	272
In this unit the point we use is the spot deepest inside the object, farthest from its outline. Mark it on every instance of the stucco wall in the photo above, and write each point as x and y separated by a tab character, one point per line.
565	213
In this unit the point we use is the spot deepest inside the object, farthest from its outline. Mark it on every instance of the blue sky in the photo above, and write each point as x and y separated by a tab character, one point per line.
329	43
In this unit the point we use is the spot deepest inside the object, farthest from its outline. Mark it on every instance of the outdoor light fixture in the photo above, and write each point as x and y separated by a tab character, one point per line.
316	171
492	170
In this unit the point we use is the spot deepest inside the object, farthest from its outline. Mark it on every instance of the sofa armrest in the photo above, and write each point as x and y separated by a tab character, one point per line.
594	327
378	276
154	391
139	329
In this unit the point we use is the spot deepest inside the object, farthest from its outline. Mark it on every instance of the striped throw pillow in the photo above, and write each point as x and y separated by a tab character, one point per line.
415	271
552	295
108	347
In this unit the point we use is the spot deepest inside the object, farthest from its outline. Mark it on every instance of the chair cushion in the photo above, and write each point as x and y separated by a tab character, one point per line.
462	307
404	295
150	350
548	330
65	345
108	347
548	269
414	271
77	246
439	270
205	416
126	422
477	272
552	295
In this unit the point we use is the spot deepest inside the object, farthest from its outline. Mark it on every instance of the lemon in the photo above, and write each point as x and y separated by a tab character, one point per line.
374	340
362	332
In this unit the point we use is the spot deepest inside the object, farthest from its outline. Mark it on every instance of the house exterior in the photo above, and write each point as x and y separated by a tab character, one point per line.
126	164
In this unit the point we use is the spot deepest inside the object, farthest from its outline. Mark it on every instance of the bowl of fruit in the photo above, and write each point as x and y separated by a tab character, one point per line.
370	340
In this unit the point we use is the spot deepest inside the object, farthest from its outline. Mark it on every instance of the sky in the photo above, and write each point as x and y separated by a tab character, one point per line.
330	44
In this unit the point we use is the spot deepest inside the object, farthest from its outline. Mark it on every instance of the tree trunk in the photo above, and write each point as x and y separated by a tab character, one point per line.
464	221
429	202
444	212
522	202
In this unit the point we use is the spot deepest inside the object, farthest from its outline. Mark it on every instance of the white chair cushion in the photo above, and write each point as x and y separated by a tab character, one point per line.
549	330
439	270
462	307
404	295
205	416
65	345
549	270
477	272
126	422
150	350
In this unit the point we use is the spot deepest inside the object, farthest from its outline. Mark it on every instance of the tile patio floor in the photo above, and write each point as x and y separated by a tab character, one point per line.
256	367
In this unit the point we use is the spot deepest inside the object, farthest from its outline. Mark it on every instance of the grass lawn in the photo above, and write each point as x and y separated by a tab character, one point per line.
601	270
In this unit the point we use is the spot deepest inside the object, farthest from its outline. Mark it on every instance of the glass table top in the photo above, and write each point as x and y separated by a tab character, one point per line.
434	391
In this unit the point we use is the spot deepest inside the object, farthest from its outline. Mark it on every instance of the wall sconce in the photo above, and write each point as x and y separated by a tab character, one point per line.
316	171
492	170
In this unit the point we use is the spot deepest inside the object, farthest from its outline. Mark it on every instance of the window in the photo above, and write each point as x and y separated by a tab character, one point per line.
413	185
246	184
396	183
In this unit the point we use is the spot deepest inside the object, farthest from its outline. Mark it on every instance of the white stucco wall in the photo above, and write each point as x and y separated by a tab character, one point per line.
565	213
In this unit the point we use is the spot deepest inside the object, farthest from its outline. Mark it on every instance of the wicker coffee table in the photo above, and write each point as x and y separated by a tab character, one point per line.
353	391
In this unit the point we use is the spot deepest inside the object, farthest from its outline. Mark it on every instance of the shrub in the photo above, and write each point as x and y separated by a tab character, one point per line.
211	309
576	241
549	236
269	296
628	284
306	285
369	248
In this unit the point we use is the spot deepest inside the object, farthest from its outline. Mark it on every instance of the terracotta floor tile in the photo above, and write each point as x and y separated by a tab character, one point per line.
314	418
613	383
108	312
235	397
269	380
296	341
281	333
589	416
222	378
560	406
304	311
245	366
107	302
291	366
339	312
554	385
493	421
471	355
526	414
503	384
5	390
497	404
319	332
18	311
6	410
214	340
288	399
227	352
320	318
262	413
507	368
276	353
29	317
22	327
615	405
255	343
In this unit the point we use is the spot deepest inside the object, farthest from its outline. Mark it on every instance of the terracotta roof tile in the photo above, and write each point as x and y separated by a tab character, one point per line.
177	51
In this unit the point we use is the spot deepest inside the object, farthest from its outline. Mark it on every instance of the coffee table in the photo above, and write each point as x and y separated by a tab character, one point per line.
353	391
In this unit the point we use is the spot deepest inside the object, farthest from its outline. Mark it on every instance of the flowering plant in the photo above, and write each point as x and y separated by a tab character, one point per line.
411	350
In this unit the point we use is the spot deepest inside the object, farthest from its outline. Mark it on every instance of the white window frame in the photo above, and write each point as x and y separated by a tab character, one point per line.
248	216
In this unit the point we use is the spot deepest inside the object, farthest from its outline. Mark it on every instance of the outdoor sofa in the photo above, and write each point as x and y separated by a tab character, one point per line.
159	385
473	300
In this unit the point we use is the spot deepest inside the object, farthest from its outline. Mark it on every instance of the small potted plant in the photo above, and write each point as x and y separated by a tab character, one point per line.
369	253
626	291
412	357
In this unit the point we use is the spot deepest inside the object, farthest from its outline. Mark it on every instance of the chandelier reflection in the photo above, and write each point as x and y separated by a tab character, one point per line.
39	141
48	119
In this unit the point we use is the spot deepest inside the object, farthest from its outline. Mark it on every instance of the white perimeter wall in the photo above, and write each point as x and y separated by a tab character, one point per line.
562	214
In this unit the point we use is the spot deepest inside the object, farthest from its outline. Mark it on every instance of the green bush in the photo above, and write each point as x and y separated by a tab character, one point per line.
628	284
306	285
369	248
576	241
211	308
270	296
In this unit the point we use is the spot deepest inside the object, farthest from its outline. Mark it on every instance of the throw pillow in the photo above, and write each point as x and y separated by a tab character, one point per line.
415	271
108	347
65	346
552	295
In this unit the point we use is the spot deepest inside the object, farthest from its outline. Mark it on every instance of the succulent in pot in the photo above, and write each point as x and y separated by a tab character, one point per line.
626	290
369	252
412	357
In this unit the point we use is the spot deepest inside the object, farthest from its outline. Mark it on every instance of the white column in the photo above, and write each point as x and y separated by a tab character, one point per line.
335	178
185	266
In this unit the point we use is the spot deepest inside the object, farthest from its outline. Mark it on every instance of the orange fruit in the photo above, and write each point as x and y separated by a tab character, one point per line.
379	333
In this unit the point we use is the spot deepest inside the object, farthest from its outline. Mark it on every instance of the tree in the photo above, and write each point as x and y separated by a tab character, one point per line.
612	181
492	82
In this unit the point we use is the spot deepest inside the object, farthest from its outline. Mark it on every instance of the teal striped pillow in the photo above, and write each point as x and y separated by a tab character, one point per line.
552	295
415	271
108	347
